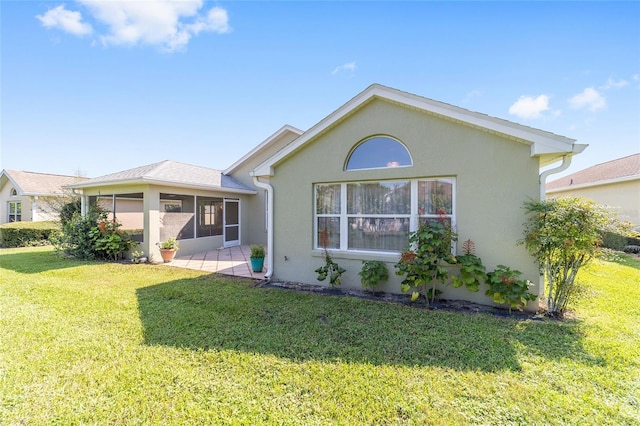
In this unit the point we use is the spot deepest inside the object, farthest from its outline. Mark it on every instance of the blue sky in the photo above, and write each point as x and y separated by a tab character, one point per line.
99	87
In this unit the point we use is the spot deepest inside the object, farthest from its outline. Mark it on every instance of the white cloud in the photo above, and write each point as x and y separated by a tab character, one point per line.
590	98
167	24
65	20
612	84
530	107
348	67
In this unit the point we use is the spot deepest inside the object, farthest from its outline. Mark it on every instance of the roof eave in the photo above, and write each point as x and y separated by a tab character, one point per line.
541	142
13	182
592	184
549	156
39	194
163	183
261	146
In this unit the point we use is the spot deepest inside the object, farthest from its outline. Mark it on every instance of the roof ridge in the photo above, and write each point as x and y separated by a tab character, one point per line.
44	173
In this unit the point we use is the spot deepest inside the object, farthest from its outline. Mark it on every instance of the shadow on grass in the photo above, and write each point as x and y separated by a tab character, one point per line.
35	260
230	314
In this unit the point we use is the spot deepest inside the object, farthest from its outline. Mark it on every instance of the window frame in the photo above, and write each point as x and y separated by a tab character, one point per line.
17	211
211	220
415	217
368	139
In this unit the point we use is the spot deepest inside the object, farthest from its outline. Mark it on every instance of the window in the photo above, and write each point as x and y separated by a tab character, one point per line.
177	223
172	207
209	217
14	192
15	211
377	216
378	152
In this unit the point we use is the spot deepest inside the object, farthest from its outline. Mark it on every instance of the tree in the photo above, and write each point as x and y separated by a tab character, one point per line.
564	234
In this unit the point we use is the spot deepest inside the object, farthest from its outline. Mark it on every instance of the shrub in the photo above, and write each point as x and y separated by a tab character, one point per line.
69	209
372	273
94	237
330	269
472	271
613	241
505	286
421	263
25	234
564	234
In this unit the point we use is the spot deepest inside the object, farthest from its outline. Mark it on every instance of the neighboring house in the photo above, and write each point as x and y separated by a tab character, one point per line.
358	182
30	196
615	184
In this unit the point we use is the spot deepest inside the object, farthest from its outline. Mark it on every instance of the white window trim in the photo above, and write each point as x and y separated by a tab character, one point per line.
367	139
414	217
15	209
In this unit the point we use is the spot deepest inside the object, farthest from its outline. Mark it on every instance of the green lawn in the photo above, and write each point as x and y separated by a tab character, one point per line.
99	343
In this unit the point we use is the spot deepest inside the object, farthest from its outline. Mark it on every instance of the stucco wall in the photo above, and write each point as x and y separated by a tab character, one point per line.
254	210
623	197
494	177
5	197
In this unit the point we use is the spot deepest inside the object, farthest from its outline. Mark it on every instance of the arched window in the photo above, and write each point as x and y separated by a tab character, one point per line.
378	152
14	193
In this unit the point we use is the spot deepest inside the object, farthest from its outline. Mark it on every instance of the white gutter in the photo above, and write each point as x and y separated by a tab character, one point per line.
269	189
566	162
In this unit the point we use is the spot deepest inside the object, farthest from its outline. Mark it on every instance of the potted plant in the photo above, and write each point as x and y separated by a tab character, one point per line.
168	249
257	257
138	257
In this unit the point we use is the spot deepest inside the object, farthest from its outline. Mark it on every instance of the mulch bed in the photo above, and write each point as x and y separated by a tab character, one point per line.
461	306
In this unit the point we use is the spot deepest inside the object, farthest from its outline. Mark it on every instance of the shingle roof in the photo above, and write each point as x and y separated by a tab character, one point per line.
32	183
171	173
626	167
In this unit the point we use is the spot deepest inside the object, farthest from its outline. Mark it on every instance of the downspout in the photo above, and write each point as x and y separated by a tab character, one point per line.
269	189
34	209
566	162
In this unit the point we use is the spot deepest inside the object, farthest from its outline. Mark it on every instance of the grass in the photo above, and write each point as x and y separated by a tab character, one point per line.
100	343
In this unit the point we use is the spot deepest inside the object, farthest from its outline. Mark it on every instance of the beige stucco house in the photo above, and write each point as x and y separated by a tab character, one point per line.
614	183
358	181
30	196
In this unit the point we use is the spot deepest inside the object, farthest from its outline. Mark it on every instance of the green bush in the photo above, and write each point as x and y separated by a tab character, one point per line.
613	241
372	273
564	234
28	234
505	286
94	237
422	263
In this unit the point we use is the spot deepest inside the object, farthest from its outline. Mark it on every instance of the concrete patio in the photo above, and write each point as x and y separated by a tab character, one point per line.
230	261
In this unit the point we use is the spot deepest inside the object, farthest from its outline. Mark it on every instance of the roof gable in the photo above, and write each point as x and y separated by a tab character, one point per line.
33	183
171	173
546	145
621	169
271	141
